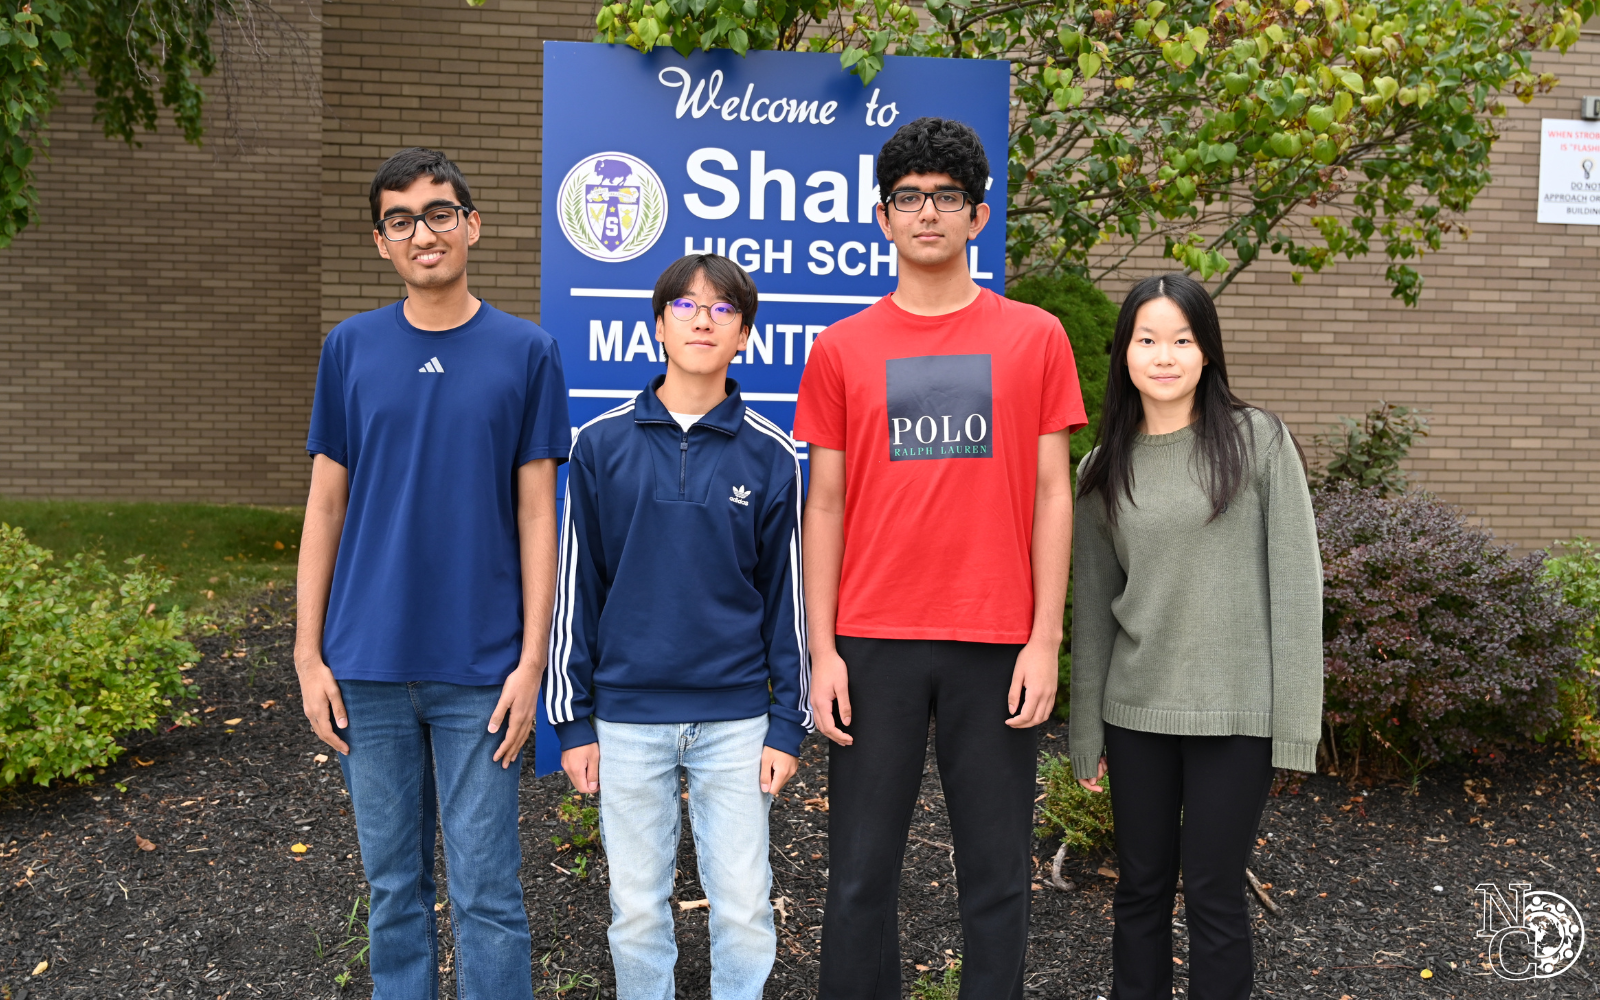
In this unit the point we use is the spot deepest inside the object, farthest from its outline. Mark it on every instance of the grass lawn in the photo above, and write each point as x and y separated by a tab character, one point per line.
214	552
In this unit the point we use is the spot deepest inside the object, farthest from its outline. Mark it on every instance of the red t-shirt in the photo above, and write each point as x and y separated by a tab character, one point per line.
939	418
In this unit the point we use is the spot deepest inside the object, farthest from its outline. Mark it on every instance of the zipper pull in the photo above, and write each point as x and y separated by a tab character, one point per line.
684	444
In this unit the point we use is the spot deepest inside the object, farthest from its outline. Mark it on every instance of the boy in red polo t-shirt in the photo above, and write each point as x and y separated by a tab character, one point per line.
938	533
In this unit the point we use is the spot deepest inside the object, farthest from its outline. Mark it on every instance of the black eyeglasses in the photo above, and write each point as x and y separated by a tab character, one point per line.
945	200
440	219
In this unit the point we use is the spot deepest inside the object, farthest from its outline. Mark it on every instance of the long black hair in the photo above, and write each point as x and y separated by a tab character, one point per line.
1222	452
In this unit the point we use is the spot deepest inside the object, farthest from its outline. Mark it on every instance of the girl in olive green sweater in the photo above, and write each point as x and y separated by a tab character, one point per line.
1196	635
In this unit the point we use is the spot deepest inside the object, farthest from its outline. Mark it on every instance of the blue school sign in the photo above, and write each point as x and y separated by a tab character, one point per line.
768	159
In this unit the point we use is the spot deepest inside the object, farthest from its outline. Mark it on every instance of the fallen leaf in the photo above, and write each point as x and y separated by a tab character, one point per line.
144	845
694	904
278	546
781	905
38	970
1036	887
1108	873
142	762
299	848
233	722
921	968
213	708
438	907
321	758
269	703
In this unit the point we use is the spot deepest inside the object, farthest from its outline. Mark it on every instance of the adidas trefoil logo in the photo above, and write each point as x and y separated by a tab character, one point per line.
433	365
741	496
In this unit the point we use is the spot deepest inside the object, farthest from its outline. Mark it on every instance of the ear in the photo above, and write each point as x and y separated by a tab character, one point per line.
661	330
474	227
980	218
383	244
744	336
882	214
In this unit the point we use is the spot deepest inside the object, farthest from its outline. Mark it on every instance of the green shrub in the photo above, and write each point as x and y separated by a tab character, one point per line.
1577	572
932	986
85	660
1090	320
1081	818
1368	454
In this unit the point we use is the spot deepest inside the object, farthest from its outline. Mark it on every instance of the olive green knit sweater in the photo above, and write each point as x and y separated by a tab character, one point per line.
1199	627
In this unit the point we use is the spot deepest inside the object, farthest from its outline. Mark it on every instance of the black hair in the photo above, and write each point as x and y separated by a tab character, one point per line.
1221	422
400	170
730	281
934	146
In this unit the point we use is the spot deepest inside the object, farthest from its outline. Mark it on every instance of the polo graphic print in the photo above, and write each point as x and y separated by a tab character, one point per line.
939	419
939	407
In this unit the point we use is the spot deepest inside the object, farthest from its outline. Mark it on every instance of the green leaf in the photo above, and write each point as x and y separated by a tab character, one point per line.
1141	28
1386	86
1235	83
1275	33
1089	65
1325	150
1319	117
1342	103
1154	8
738	41
1226	152
1351	81
850	56
1283	144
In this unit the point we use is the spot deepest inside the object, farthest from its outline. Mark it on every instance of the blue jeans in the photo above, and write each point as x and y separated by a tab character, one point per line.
420	752
639	825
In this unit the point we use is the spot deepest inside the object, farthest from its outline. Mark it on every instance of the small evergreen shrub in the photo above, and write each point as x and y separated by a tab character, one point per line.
1577	572
1438	642
1090	320
85	660
931	985
1369	453
1081	818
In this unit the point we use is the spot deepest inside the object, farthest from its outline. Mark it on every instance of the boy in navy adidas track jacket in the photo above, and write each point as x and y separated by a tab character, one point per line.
678	643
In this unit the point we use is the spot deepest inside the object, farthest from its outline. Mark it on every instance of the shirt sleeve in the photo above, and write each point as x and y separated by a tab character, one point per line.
327	434
1061	407
575	627
783	626
1097	580
819	413
1294	580
546	427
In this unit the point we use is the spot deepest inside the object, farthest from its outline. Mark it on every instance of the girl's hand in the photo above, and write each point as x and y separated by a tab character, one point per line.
1093	784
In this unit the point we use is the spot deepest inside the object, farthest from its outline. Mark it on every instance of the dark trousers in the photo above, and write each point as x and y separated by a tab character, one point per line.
987	769
1194	802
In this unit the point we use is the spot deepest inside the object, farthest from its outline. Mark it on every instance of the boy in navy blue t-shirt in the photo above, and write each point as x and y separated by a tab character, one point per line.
679	637
427	567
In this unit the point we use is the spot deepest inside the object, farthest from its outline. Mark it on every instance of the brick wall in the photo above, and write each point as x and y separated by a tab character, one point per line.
161	326
464	80
1504	346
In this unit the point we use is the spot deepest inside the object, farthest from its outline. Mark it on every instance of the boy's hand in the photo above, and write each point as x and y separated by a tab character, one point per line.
777	768
582	765
830	682
324	706
520	698
1033	685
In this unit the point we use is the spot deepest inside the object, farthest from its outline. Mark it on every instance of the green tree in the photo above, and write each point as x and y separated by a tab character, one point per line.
1311	129
138	56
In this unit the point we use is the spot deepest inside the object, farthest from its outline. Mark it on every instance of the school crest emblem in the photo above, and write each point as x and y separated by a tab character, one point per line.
612	206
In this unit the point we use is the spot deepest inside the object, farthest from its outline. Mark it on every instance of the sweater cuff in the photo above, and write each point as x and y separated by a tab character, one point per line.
1085	765
1294	756
577	733
784	735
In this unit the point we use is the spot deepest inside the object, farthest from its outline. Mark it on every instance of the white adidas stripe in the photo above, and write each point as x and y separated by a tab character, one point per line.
558	693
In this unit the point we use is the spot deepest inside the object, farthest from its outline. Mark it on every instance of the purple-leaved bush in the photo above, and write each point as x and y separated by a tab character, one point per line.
1438	641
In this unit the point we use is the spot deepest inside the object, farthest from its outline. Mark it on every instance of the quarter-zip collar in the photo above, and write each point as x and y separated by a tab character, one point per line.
726	416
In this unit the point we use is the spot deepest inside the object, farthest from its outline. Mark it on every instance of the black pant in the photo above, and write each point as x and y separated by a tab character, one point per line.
987	769
1195	800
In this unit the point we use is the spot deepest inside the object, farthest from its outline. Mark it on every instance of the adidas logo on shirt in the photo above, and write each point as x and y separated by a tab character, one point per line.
433	365
740	496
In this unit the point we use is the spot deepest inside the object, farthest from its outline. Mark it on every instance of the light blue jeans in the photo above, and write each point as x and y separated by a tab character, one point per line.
419	753
639	824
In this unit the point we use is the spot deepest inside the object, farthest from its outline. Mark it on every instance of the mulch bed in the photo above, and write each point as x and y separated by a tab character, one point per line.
221	907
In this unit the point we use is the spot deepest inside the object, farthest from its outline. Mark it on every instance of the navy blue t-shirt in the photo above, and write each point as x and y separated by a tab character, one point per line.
432	427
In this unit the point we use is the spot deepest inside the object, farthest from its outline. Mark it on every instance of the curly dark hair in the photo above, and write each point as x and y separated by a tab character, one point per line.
934	146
